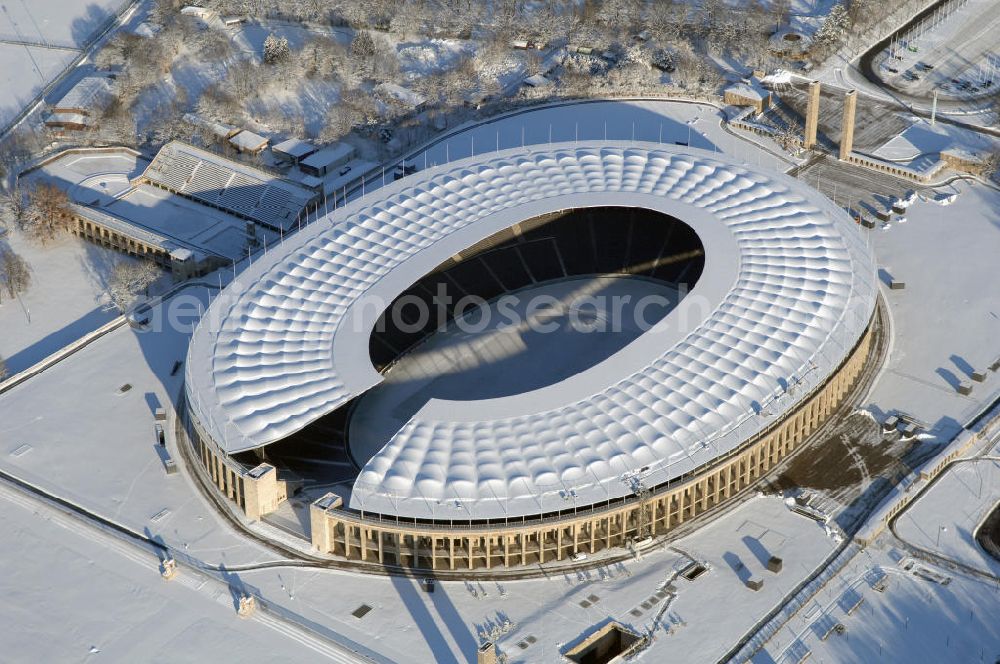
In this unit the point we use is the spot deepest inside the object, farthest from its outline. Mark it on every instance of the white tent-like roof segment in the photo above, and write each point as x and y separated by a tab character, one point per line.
787	290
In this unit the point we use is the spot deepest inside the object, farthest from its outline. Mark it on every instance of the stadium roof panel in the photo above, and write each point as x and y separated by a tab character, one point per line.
787	290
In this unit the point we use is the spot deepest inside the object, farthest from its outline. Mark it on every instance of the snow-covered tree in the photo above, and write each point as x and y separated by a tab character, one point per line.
834	28
665	20
363	46
14	273
275	49
48	214
129	279
14	204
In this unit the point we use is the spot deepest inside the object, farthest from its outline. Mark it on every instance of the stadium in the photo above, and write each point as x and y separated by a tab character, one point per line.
435	372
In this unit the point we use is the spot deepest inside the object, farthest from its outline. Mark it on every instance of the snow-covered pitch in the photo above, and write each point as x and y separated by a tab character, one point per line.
787	290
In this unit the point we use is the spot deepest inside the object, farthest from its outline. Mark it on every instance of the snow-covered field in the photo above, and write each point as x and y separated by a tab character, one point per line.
24	71
40	38
73	598
66	300
95	445
67	23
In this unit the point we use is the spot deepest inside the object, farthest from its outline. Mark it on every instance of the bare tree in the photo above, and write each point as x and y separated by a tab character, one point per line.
665	20
15	204
14	273
48	215
129	279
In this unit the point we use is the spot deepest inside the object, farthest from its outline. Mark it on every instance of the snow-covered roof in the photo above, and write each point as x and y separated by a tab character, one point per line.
247	141
90	95
60	119
329	155
538	81
787	290
218	129
294	147
749	89
226	184
402	95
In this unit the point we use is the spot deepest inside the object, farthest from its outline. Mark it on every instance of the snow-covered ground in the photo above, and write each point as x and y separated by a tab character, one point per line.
90	443
67	298
944	319
73	598
701	623
958	41
922	138
912	620
38	39
420	58
24	71
945	518
67	23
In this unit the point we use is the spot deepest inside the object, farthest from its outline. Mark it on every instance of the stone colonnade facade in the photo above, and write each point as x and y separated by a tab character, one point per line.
255	491
458	546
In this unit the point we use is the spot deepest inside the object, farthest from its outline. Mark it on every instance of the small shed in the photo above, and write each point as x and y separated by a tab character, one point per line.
248	142
537	81
83	104
748	92
401	95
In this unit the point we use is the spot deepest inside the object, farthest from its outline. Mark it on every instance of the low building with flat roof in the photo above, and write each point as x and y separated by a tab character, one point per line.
327	160
748	92
293	150
248	142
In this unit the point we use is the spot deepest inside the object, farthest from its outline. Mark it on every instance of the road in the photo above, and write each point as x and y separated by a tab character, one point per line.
859	73
957	49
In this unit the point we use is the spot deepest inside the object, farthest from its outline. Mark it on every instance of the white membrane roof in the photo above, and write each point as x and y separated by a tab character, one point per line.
787	290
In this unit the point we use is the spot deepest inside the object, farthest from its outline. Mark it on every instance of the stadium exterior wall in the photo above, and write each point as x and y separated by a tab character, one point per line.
456	546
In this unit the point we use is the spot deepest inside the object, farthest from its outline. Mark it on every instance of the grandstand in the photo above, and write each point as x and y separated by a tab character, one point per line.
245	192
